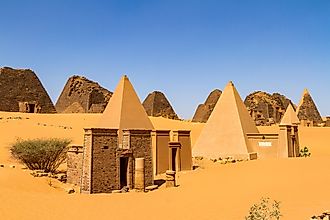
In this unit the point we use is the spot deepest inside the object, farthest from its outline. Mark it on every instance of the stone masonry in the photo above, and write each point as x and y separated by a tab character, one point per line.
204	111
100	169
81	95
22	91
74	164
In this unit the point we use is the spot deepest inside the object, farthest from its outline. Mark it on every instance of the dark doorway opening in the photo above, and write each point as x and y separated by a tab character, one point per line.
123	171
174	152
31	108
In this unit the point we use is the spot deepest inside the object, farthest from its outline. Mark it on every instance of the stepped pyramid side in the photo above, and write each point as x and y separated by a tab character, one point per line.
156	104
225	132
307	109
81	95
22	91
204	111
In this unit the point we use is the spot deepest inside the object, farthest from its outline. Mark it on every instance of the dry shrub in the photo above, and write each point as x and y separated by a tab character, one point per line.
264	210
41	154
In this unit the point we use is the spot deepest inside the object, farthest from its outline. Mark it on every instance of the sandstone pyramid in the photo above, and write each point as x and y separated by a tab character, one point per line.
81	95
157	105
307	109
124	110
290	116
266	109
204	111
21	90
225	132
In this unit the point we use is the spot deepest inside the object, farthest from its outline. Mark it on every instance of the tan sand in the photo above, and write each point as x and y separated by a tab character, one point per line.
214	192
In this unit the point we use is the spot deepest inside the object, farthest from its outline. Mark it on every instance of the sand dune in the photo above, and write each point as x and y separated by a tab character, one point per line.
214	191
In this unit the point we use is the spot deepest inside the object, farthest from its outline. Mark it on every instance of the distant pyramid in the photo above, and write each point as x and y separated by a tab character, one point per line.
22	91
204	111
290	116
225	132
307	109
81	95
156	104
124	110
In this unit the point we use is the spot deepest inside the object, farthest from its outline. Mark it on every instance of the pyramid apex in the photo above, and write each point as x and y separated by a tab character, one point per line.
124	110
290	116
306	92
230	83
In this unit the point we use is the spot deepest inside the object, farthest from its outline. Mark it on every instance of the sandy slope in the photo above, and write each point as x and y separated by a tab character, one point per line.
215	192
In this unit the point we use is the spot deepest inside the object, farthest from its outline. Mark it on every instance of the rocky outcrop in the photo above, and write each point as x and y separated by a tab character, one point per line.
307	111
22	91
266	109
81	95
204	111
157	105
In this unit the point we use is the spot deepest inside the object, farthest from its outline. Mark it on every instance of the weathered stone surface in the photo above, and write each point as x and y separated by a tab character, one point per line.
109	166
204	111
74	164
307	110
156	104
21	90
266	109
81	95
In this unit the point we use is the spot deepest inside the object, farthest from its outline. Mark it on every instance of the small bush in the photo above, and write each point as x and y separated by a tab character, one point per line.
264	210
304	152
41	154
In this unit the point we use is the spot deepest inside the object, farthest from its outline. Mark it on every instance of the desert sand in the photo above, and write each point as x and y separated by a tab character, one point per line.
214	191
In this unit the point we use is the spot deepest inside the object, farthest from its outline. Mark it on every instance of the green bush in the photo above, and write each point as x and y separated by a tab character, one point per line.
41	154
304	152
264	210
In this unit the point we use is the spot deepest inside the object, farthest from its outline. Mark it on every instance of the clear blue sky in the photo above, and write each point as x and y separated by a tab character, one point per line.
185	48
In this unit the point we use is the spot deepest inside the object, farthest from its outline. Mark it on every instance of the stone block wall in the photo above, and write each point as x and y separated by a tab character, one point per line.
74	165
140	146
99	161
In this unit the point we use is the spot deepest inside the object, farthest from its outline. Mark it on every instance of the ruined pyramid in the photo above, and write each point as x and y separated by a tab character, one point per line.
124	110
204	111
157	105
81	95
225	132
290	116
21	87
307	109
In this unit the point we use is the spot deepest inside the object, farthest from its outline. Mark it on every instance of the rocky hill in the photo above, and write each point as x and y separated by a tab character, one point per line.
22	91
81	95
156	104
204	111
265	108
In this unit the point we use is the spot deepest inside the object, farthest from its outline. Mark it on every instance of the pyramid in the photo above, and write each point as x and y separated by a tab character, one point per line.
157	105
290	116
204	111
225	132
22	86
81	95
124	110
307	109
